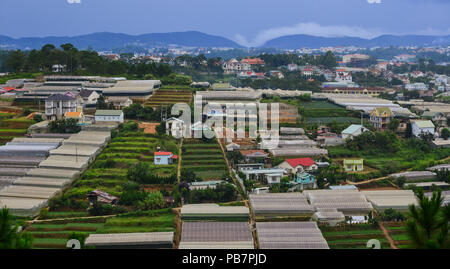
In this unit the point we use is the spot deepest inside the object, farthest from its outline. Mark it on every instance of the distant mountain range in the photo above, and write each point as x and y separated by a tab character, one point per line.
110	41
301	41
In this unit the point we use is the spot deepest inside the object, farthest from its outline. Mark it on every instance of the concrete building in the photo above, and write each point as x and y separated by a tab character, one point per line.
164	158
57	105
298	165
380	117
422	127
353	131
354	165
416	87
109	116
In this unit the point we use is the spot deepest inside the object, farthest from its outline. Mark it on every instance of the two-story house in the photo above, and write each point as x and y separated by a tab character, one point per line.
380	117
56	105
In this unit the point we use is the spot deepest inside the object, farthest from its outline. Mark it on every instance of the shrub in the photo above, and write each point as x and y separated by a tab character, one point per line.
152	201
37	118
102	209
222	193
131	194
81	237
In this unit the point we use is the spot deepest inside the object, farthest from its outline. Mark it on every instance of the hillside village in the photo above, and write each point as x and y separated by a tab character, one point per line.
97	156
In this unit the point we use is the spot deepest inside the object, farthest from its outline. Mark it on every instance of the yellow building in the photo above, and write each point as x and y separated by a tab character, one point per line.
354	165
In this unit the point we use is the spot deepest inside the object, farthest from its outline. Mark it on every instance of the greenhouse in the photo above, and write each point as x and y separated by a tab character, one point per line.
216	235
349	202
131	240
395	199
290	235
214	212
280	205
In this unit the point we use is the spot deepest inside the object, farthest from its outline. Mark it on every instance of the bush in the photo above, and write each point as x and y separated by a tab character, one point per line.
37	118
130	126
392	215
141	173
131	194
64	126
152	201
81	237
222	193
102	209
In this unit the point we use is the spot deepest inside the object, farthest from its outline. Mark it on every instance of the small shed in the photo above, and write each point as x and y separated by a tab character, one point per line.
102	197
355	165
164	158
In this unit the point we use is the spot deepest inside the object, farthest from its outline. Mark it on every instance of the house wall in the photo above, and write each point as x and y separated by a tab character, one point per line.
417	131
161	160
110	118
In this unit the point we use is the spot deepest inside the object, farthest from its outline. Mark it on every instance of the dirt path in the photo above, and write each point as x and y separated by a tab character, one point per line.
74	218
179	160
386	233
230	171
381	178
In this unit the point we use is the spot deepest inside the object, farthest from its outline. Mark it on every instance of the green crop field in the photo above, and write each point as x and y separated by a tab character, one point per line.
109	171
353	236
169	96
55	234
205	159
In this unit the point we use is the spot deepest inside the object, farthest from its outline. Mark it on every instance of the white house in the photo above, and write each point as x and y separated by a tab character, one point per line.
164	158
56	105
271	175
109	116
298	165
343	75
175	127
422	127
416	87
89	97
353	131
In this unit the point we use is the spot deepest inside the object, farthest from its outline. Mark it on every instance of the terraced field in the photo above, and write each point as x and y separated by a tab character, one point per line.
397	232
205	159
12	127
353	236
109	171
170	96
55	233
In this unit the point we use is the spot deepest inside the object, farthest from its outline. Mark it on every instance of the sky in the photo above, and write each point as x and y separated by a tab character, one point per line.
248	22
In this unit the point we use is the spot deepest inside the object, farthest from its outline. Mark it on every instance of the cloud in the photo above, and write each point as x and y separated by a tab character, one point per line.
433	31
374	1
74	1
309	28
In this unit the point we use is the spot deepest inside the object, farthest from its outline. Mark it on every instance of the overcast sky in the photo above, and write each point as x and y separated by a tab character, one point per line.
249	22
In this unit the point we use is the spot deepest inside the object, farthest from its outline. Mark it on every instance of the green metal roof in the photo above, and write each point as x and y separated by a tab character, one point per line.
352	129
108	112
424	124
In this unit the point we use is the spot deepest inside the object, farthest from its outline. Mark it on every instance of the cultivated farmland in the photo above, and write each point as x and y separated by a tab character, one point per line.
11	127
204	158
169	96
109	171
354	236
55	233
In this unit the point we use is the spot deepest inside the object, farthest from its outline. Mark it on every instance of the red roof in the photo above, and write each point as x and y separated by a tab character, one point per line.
305	162
162	153
8	88
174	157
